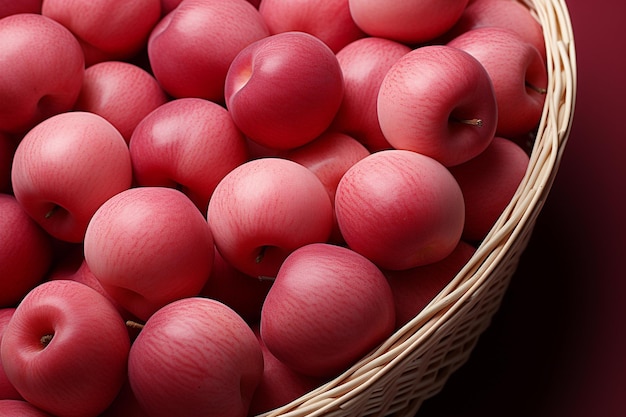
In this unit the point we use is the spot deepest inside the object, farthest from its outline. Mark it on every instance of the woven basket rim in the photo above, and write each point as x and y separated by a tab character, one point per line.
415	337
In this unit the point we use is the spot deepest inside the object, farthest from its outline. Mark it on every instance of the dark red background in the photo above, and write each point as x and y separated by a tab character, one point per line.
557	347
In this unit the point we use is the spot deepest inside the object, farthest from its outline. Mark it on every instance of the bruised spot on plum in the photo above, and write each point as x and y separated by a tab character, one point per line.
46	339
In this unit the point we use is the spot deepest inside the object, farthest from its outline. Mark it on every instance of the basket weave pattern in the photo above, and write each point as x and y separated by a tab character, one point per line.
415	363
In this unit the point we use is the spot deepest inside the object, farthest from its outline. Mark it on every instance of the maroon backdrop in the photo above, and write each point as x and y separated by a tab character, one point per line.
557	347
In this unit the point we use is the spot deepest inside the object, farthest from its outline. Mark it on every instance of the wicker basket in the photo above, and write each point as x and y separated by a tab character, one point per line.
415	363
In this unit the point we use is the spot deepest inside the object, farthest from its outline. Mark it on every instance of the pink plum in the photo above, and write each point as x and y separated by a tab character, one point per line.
192	47
187	143
400	209
284	91
66	167
42	70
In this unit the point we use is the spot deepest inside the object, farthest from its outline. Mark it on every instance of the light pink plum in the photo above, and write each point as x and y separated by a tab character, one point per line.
400	209
25	252
21	408
489	182
121	92
280	384
65	349
518	73
329	157
512	15
438	101
241	292
7	390
42	70
11	7
328	307
7	150
106	30
195	357
364	63
189	144
330	20
66	167
411	21
284	90
192	47
414	288
265	209
149	246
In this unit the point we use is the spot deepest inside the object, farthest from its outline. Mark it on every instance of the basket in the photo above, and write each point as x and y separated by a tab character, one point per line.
416	361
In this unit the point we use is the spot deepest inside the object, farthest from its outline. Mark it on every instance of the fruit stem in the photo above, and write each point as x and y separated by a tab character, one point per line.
261	254
134	325
53	210
46	339
266	278
471	122
535	88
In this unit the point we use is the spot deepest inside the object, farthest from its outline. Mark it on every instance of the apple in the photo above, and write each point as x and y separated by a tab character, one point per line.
121	92
280	384
438	101
400	209
364	63
329	157
7	390
414	288
518	73
149	246
20	408
11	7
263	210
25	252
191	48
241	292
512	15
66	167
410	21
195	357
106	30
189	144
284	90
488	183
65	349
312	17
328	307
125	404
42	70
